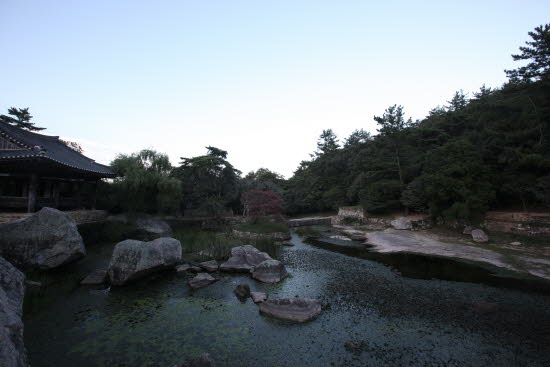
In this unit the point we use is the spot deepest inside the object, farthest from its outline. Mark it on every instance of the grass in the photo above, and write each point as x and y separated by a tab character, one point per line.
307	232
264	227
199	245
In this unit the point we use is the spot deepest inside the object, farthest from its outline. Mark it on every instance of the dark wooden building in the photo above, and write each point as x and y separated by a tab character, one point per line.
39	170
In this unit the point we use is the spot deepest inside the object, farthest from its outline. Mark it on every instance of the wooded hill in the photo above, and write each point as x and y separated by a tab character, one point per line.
488	151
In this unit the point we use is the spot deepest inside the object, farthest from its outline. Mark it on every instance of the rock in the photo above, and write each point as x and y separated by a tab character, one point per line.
243	259
201	361
182	268
269	271
201	280
45	240
210	266
143	226
479	236
357	237
401	223
293	309
134	259
152	227
515	243
287	243
242	291
188	268
12	290
258	297
95	278
467	230
33	284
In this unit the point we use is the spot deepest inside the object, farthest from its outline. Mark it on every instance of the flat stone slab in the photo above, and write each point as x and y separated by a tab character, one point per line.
269	271
423	242
210	266
96	277
188	268
287	243
258	297
201	280
292	309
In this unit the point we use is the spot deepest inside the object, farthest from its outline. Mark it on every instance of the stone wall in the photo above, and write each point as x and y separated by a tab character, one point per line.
349	215
79	216
300	222
527	223
276	236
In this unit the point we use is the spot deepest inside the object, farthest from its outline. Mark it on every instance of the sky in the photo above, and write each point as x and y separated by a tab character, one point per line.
260	79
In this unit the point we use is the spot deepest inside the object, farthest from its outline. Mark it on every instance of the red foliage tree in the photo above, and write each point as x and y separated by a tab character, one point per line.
261	203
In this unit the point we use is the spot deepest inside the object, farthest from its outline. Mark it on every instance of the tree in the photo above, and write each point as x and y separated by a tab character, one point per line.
392	123
357	137
144	183
458	102
327	143
73	145
537	52
21	118
208	178
261	203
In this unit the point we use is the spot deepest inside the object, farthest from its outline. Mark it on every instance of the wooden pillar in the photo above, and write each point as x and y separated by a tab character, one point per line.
78	194
33	186
93	195
56	190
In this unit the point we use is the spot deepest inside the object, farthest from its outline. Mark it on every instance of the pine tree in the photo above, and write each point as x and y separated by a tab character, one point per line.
537	52
21	118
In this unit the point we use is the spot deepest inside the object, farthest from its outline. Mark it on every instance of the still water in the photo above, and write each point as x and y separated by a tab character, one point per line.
373	315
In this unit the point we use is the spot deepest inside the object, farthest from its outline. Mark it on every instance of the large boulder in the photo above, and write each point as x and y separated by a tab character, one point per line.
479	236
152	227
134	259
401	223
269	271
12	290
244	258
141	226
292	309
45	240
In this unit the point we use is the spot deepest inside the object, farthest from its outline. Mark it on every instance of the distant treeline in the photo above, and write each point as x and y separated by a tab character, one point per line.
488	150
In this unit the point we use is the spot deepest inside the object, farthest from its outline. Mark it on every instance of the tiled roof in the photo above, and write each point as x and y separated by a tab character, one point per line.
35	145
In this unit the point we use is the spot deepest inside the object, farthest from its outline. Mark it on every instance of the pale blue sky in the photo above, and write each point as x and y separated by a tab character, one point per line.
260	79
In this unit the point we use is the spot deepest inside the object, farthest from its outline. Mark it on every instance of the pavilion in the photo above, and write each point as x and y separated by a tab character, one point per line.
39	170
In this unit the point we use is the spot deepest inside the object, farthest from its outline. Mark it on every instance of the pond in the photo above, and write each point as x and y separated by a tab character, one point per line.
372	316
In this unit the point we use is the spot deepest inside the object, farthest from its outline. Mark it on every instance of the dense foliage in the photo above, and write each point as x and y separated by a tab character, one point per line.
258	203
491	150
143	184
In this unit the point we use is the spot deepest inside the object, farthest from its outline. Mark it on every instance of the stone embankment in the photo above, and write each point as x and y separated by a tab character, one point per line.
79	216
311	221
275	236
527	223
